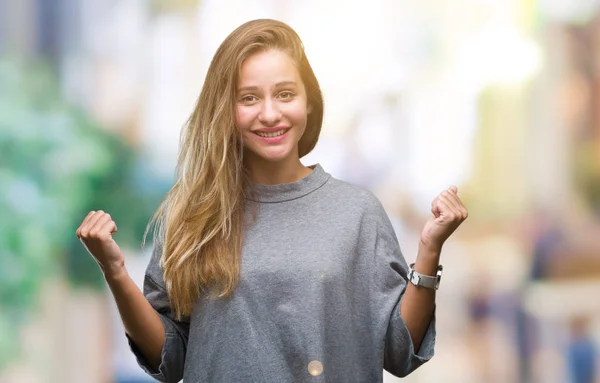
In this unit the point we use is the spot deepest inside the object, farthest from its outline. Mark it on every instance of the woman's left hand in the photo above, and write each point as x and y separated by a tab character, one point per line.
448	212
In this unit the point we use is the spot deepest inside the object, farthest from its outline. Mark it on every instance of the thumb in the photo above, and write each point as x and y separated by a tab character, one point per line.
435	209
114	230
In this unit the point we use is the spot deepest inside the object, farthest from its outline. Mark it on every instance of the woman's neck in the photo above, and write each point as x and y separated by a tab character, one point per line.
275	173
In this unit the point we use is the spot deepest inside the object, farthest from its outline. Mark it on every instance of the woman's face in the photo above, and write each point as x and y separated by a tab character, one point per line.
271	107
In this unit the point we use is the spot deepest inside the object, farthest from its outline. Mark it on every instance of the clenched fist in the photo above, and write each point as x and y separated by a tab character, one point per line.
96	233
447	213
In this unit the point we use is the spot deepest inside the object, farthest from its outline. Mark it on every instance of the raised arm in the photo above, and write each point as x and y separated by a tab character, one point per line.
418	303
158	341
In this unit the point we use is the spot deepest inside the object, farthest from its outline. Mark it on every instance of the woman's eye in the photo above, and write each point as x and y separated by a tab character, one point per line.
286	95
248	98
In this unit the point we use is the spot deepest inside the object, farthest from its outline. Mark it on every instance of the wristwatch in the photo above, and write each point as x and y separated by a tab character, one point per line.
430	282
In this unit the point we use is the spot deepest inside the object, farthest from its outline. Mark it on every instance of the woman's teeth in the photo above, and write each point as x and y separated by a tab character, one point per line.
272	134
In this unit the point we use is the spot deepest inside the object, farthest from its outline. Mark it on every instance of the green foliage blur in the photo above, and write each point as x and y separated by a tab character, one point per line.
56	164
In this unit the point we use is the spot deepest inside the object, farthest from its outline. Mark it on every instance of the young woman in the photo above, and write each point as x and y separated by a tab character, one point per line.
265	270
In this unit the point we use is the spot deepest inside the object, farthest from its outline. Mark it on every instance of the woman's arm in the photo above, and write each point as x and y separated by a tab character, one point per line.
158	341
142	323
418	303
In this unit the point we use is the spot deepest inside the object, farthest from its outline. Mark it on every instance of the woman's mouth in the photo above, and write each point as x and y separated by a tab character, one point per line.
272	134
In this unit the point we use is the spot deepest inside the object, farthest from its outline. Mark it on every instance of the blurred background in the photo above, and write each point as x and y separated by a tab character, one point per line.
499	97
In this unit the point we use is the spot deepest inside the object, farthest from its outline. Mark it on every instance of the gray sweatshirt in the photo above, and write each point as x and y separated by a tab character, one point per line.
322	277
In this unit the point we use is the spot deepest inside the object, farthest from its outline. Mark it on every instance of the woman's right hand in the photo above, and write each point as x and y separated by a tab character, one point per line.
96	233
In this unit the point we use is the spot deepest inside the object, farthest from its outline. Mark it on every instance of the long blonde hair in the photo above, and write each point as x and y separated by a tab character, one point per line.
200	223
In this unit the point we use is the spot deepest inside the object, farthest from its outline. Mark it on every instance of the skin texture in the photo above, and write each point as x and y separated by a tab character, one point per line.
447	213
271	96
140	320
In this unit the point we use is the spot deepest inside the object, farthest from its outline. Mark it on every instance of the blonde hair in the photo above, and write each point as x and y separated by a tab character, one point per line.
200	223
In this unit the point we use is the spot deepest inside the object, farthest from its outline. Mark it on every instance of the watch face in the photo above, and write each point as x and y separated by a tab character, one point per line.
414	279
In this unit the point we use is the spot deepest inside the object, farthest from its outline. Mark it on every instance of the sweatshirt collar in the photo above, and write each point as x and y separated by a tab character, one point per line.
293	190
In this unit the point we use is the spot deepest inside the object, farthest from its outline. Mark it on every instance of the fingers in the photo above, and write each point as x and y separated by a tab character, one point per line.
440	205
96	231
453	195
435	207
94	219
97	224
452	202
109	227
85	220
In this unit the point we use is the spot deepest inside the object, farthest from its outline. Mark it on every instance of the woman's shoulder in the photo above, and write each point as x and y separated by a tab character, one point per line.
355	195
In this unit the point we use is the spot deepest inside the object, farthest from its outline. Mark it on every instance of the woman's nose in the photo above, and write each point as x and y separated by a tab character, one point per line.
270	113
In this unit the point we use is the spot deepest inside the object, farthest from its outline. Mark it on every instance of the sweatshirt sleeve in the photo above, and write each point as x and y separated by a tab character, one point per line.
390	281
173	353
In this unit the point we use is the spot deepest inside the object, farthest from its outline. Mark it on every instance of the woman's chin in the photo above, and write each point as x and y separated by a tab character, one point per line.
275	155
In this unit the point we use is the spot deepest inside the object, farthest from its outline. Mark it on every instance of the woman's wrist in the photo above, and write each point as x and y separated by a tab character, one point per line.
115	273
428	259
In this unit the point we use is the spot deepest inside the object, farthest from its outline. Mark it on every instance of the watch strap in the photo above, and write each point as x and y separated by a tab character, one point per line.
427	281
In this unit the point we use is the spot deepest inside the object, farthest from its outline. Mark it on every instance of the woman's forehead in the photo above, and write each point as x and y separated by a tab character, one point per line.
273	67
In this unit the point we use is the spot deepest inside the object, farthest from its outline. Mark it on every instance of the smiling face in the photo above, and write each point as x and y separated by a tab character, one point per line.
271	108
